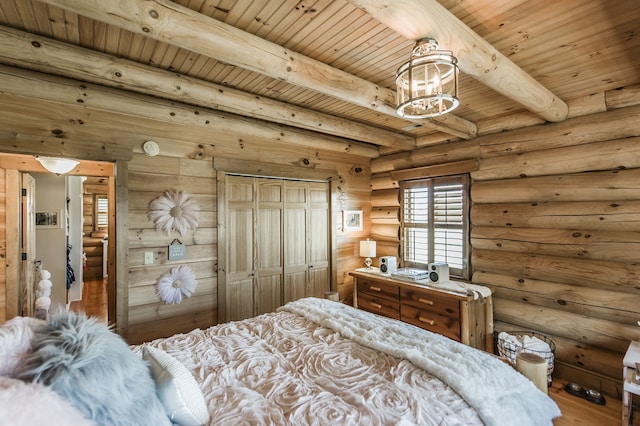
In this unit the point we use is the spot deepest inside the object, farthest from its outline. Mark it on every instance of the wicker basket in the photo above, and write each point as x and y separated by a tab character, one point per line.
509	350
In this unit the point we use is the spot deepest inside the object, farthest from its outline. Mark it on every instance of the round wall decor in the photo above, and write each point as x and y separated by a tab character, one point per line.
174	211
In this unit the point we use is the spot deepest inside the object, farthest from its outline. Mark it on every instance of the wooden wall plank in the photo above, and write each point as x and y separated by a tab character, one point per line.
605	215
596	186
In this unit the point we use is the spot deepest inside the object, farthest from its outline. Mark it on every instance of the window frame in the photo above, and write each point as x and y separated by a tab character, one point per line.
430	182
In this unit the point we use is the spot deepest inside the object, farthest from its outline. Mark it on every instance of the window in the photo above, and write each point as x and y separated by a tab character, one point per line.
101	212
435	223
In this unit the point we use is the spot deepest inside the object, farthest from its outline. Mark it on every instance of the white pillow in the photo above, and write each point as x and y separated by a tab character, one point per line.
16	336
177	389
28	404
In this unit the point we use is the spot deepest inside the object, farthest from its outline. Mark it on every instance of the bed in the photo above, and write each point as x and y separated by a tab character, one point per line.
316	361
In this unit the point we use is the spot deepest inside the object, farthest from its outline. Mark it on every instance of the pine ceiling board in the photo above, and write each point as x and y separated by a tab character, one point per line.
42	21
205	68
305	40
20	13
588	60
326	48
243	12
344	48
113	40
217	9
290	18
191	4
217	71
223	72
59	27
266	18
179	60
10	15
125	44
472	13
199	63
163	54
305	27
142	49
378	63
98	36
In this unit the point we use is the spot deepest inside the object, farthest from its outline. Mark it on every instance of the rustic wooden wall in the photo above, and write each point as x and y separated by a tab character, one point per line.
555	232
150	177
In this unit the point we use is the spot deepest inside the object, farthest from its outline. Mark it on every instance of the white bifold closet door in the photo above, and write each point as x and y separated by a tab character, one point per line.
277	243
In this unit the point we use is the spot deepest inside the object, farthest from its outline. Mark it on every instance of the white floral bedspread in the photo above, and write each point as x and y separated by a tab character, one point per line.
281	368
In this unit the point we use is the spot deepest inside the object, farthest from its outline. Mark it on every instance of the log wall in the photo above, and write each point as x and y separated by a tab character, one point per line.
555	233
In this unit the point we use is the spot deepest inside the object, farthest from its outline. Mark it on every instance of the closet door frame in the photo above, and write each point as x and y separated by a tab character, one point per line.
225	166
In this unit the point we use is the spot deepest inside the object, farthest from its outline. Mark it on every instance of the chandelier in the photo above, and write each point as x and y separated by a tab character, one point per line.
427	85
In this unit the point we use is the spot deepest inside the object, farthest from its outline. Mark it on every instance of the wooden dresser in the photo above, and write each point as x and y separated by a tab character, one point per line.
464	318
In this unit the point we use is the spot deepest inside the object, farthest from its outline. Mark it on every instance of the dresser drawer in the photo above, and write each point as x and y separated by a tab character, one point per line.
429	320
438	303
378	305
378	289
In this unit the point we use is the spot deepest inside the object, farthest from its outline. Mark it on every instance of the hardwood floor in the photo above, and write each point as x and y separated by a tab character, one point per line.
577	411
94	299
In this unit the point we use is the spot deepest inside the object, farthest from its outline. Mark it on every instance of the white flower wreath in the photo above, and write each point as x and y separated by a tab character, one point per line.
174	211
179	281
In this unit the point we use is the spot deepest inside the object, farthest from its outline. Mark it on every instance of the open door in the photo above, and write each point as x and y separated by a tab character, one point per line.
28	276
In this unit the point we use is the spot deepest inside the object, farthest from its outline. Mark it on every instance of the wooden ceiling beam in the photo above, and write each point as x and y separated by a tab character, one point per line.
174	24
416	19
34	85
53	57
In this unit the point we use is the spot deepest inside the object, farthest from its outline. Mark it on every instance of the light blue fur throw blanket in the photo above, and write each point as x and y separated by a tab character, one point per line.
95	370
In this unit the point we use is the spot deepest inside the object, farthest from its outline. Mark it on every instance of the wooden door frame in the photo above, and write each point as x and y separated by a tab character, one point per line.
92	157
224	166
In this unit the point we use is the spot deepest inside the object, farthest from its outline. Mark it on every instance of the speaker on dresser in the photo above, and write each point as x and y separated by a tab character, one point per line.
438	272
388	264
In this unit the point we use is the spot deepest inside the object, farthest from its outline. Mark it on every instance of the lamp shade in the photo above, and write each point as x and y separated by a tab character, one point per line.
367	248
57	165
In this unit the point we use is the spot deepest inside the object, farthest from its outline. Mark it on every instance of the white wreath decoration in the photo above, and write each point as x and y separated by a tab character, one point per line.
173	285
174	211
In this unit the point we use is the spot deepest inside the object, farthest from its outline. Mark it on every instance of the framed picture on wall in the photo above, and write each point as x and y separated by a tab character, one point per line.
49	219
352	220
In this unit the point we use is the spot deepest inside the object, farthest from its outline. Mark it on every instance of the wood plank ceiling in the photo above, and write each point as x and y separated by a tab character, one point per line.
570	49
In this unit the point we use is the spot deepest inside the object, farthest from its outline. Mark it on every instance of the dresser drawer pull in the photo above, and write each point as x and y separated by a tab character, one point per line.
376	305
426	301
375	288
426	320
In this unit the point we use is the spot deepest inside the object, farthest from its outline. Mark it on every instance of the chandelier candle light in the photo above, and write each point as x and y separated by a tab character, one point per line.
427	85
368	250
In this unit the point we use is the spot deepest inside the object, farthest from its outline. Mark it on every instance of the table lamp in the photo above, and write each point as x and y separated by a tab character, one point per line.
368	250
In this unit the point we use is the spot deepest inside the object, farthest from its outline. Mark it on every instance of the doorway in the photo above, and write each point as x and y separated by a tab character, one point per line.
20	168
